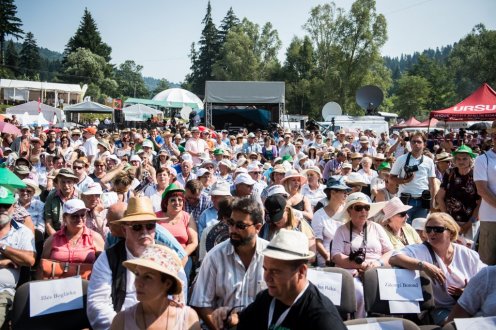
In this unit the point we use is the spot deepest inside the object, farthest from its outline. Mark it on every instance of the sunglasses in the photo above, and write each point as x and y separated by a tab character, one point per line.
78	215
139	227
360	208
436	229
402	214
176	200
238	225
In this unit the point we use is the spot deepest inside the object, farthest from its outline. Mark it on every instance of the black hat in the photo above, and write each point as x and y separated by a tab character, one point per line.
275	206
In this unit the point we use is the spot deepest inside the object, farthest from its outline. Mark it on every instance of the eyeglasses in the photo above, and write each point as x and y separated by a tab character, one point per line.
360	208
402	214
176	200
238	225
139	227
436	229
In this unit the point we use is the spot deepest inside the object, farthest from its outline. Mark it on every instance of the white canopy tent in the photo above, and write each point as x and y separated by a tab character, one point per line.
139	112
23	90
30	111
88	107
244	92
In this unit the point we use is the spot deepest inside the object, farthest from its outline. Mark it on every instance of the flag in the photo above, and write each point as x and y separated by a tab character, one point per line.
39	105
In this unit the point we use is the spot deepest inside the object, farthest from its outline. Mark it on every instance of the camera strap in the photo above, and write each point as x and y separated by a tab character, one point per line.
408	159
364	242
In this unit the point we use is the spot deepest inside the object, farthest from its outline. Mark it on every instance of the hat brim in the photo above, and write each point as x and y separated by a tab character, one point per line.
73	177
140	218
281	255
471	154
403	208
311	170
132	264
303	179
37	190
374	209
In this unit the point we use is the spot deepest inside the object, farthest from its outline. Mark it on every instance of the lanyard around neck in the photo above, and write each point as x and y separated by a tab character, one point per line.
285	313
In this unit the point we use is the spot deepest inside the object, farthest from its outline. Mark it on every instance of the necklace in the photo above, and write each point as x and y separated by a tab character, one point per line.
144	317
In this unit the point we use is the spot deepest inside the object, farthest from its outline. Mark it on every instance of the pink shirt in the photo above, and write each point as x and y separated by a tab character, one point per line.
180	229
83	252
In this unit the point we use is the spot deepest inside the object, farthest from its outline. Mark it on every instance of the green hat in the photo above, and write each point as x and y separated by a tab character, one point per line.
6	196
288	158
463	149
181	149
218	152
384	166
172	188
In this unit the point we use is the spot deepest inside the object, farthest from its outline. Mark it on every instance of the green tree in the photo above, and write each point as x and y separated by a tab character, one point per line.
248	53
29	57
163	84
130	80
87	36
229	21
10	24
12	58
473	60
347	46
204	59
412	97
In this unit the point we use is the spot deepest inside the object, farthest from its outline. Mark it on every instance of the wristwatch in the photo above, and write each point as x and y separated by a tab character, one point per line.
421	265
3	248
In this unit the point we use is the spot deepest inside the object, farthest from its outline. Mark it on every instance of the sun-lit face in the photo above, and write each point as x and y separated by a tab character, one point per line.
281	278
149	285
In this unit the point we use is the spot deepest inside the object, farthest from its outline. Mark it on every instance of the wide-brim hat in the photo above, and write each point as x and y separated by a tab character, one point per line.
294	174
443	157
67	173
31	184
314	169
464	149
393	207
379	156
162	259
355	178
288	245
221	188
360	197
356	155
336	183
139	209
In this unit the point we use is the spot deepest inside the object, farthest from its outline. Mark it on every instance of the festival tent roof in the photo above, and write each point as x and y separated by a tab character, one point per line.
411	122
428	123
251	92
32	110
133	100
88	107
480	105
139	112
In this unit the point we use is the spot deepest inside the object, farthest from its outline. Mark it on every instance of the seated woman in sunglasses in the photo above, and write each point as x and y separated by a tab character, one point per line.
449	265
399	232
360	244
74	243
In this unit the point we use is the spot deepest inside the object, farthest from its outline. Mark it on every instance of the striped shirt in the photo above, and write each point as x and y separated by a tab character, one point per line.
223	279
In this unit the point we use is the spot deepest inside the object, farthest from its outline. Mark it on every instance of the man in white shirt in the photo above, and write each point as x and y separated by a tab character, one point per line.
90	146
196	146
415	174
485	180
231	273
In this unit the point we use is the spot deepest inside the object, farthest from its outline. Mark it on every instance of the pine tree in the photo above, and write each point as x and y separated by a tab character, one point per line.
12	57
87	36
29	59
203	61
230	21
10	24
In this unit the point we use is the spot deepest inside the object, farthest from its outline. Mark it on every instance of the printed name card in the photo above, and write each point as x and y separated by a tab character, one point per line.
373	325
328	283
476	323
53	296
399	284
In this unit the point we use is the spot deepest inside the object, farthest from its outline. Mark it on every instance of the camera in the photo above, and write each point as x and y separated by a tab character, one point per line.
411	168
358	256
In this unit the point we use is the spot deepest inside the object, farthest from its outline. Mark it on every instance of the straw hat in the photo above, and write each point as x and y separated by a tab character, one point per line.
356	155
355	178
288	245
162	259
67	173
139	209
393	207
314	169
360	197
294	174
443	157
31	184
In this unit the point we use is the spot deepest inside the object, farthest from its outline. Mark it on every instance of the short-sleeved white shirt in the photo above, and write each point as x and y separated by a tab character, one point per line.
479	297
313	195
485	170
324	229
466	263
421	180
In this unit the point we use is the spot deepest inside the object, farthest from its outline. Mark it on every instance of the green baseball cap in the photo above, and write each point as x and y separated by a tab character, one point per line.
384	166
463	149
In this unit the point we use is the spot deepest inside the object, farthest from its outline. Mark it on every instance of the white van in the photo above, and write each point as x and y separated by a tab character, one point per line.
376	123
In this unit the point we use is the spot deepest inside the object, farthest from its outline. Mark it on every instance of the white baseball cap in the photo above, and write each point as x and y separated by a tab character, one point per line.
147	143
93	189
221	188
74	205
244	178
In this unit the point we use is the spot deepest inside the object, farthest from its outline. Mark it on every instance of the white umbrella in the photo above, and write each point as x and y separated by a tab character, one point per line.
178	98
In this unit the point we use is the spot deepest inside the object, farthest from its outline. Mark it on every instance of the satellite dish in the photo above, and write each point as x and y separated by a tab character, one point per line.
331	109
185	111
369	98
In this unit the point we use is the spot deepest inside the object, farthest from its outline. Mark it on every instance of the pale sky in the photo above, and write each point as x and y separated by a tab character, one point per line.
157	34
